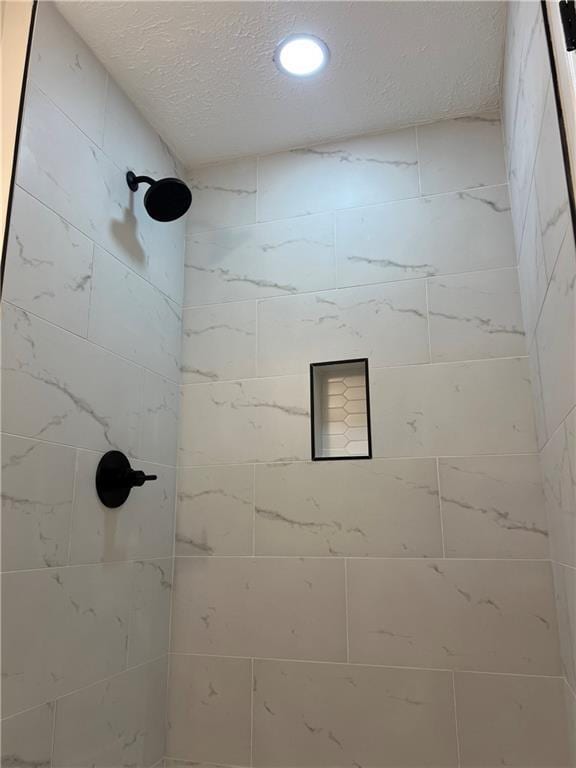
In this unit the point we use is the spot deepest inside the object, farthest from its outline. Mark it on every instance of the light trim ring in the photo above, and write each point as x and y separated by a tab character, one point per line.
301	55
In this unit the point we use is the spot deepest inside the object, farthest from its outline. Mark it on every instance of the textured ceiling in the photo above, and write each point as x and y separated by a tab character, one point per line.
202	72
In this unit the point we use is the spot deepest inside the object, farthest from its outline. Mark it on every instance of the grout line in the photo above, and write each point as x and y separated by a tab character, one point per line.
96	564
252	683
440	509
399	558
53	732
254	510
73	510
356	286
427	293
191	234
368	665
456	718
346	610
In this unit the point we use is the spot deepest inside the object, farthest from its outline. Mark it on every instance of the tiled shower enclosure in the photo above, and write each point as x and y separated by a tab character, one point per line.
253	607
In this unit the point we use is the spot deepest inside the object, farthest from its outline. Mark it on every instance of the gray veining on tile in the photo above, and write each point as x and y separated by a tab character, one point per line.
267	607
476	316
149	628
215	511
37	495
348	716
159	410
224	195
27	738
449	233
386	323
382	507
477	615
493	506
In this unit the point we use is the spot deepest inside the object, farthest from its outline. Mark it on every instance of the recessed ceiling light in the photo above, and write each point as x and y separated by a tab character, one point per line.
301	55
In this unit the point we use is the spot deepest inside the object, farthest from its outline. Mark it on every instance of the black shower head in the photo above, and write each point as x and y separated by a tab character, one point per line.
166	199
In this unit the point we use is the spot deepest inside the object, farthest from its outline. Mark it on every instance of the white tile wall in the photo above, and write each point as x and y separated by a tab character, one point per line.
91	362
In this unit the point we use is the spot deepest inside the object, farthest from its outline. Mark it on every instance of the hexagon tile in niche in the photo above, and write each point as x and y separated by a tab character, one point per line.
340	406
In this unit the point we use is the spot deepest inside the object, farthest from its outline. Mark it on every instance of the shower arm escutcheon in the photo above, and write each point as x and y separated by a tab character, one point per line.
133	181
115	478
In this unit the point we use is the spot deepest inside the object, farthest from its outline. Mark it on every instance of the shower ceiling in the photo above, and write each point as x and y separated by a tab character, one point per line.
203	74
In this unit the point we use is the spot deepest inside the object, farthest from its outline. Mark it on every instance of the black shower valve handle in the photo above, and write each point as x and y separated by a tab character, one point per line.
115	478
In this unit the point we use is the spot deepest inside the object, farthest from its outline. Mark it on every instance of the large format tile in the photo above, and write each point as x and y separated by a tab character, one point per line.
426	236
489	616
141	528
360	171
148	636
532	272
66	70
463	153
537	394
27	738
223	195
331	715
555	339
132	318
386	323
273	259
59	387
62	168
493	506
118	722
210	698
215	511
158	431
62	629
559	473
219	342
48	265
510	720
565	589
476	316
268	607
551	187
37	495
363	508
245	421
452	409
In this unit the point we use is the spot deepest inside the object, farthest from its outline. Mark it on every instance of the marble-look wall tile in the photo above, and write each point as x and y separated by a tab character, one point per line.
278	258
363	508
480	615
27	738
555	339
219	342
476	316
131	142
337	715
149	628
215	511
37	495
66	70
141	528
493	506
132	318
559	472
245	421
224	195
268	607
209	709
570	703
551	187
62	629
117	722
57	387
158	430
450	233
386	323
359	171
452	409
565	589
537	394
532	267
464	153
48	265
62	168
510	720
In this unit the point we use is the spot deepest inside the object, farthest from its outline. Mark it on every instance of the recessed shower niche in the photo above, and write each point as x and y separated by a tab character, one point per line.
340	407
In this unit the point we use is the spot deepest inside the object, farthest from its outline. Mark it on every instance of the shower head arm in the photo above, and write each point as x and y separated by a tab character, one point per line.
133	181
